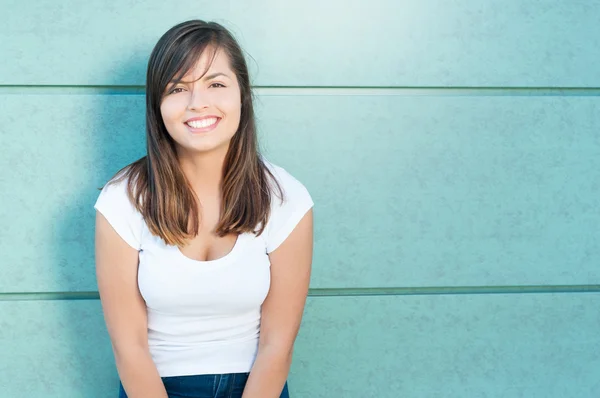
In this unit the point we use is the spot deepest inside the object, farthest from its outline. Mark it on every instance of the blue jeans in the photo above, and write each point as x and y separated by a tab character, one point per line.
229	385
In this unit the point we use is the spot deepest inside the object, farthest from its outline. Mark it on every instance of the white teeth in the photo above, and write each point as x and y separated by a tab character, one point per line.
199	124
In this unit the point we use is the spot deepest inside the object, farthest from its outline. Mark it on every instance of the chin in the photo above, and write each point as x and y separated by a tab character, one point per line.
208	148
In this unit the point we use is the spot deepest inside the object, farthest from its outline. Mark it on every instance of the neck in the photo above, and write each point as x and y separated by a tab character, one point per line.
203	171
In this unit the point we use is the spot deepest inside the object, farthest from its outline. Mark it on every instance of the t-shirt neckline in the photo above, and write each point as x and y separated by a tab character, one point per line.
227	258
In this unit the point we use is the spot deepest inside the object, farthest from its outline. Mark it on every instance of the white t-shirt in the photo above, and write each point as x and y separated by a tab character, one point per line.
204	316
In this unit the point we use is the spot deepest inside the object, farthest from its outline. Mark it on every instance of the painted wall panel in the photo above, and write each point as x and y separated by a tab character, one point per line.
55	349
493	346
56	153
451	346
314	43
409	191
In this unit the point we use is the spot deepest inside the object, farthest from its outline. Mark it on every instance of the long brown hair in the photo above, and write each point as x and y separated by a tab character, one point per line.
156	184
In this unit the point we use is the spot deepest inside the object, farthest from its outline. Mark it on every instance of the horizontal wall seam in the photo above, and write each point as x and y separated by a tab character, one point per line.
348	292
316	90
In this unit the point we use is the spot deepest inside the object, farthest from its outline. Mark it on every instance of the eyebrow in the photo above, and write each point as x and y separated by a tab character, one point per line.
215	75
209	77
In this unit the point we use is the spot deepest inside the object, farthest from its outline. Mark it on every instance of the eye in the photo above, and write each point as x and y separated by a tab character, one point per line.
217	84
174	91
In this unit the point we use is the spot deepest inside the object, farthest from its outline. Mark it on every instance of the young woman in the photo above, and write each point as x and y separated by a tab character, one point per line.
203	247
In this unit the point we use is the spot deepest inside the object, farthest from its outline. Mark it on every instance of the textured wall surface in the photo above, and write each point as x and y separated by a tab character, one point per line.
452	150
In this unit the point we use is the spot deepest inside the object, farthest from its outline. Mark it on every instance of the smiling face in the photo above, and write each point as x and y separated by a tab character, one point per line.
202	111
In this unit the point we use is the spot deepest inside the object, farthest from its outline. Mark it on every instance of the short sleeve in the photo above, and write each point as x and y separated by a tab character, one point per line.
114	204
287	214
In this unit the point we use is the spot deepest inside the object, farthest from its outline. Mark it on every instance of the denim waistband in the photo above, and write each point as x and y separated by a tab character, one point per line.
229	385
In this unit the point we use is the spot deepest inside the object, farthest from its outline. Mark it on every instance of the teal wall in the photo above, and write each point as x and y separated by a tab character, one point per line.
452	149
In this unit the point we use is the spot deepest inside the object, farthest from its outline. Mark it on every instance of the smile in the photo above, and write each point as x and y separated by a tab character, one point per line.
202	125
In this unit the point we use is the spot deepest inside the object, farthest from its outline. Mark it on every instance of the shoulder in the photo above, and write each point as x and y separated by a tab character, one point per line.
289	184
285	212
115	192
115	205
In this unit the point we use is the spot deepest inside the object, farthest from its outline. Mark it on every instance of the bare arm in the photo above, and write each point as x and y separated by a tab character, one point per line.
125	313
282	311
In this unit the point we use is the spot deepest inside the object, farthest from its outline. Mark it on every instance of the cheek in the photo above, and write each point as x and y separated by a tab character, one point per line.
234	115
170	110
230	102
165	112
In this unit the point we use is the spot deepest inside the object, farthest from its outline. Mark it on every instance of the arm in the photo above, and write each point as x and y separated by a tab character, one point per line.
281	312
125	313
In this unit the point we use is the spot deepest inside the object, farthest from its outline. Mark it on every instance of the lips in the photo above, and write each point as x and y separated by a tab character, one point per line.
201	123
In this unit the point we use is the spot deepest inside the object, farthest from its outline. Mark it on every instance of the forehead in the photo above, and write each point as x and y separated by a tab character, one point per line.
208	63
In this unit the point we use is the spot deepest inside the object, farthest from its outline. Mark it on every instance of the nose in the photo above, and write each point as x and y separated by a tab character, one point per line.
199	99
